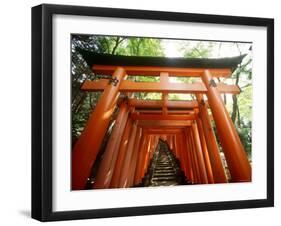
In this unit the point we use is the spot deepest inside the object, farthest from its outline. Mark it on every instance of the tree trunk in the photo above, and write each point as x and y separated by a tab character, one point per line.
118	41
234	108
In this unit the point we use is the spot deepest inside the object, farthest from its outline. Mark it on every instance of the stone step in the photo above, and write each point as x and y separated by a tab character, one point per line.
163	170
167	178
164	165
164	178
170	183
163	174
170	172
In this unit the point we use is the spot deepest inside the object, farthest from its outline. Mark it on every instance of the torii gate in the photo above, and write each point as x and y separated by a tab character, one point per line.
184	125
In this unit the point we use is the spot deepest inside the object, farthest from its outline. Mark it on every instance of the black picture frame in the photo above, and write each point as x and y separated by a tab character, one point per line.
42	107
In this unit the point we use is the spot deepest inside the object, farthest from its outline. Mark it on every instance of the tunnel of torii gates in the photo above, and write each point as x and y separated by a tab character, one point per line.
139	124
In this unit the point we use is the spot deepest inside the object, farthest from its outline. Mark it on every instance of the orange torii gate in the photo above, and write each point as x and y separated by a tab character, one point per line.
184	125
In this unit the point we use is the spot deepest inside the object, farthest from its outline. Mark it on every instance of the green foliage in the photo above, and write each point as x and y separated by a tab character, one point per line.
245	104
243	121
180	96
141	47
245	134
81	114
83	104
240	107
200	50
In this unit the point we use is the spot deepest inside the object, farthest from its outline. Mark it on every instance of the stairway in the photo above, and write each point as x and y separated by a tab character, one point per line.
164	169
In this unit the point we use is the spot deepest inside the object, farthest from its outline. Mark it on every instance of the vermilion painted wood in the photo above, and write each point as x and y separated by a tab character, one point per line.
42	22
150	152
212	146
165	103
183	155
155	71
169	112
188	159
188	155
165	131
235	154
125	168
110	155
172	142
190	152
141	157
166	87
164	123
160	130
147	155
121	155
205	152
154	146
159	104
86	148
199	153
176	152
136	116
133	165
169	142
164	79
198	177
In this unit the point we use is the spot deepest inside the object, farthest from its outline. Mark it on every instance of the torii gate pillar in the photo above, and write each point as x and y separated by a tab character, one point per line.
86	148
235	154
